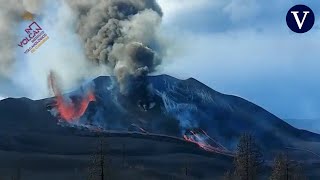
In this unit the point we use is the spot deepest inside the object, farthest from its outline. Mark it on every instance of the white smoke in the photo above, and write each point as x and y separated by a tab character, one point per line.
9	20
33	6
78	32
62	53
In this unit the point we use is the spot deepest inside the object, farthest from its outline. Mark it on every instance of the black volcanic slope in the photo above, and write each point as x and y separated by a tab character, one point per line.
173	108
185	104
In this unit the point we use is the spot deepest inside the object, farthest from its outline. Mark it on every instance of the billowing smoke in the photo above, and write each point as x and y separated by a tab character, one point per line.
121	34
33	6
10	16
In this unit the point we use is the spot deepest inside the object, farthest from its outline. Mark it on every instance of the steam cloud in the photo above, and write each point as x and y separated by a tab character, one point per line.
121	34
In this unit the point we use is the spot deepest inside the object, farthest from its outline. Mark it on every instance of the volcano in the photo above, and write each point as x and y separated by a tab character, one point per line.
177	107
179	117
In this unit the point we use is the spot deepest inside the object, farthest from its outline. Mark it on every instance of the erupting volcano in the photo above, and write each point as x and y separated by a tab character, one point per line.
69	109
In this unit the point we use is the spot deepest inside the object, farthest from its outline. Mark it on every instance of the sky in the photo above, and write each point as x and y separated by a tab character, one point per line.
244	48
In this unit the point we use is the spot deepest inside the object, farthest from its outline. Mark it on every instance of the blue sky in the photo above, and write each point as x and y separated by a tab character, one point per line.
244	48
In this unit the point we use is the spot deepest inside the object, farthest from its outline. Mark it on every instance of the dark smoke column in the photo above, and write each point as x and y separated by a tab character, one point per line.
121	34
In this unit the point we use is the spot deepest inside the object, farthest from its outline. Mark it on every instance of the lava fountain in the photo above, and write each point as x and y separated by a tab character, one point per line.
69	109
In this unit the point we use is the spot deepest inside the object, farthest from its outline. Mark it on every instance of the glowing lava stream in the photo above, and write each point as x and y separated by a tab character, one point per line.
69	111
200	138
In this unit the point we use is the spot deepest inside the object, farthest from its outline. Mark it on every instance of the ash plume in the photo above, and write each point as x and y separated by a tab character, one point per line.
10	16
33	6
121	34
9	19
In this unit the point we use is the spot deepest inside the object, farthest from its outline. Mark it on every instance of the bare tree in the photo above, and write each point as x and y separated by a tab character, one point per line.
17	175
280	168
185	169
97	168
248	159
228	176
286	169
299	173
124	156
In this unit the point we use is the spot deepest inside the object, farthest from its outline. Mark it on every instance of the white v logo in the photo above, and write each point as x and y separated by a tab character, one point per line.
299	23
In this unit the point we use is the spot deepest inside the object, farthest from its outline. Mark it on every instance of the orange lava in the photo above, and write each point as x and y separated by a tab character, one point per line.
200	141
70	111
202	145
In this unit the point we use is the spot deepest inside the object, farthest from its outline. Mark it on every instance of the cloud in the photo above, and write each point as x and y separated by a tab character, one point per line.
171	8
244	47
241	10
227	15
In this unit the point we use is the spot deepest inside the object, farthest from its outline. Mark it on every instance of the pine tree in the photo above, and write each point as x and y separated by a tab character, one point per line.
285	169
248	159
124	156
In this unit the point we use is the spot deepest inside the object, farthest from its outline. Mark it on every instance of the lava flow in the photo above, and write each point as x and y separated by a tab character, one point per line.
135	127
70	110
203	140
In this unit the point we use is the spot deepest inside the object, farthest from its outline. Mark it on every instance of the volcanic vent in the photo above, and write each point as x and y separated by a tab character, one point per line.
67	108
